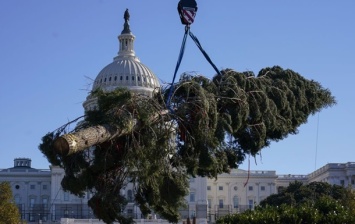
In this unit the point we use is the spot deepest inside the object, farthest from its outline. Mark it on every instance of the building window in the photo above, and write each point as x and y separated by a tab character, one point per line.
32	202
17	187
209	203
45	187
32	186
45	202
251	203
66	213
192	213
220	188
129	196
235	188
17	199
250	188
192	196
66	196
352	181
342	182
220	203
208	188
235	201
262	188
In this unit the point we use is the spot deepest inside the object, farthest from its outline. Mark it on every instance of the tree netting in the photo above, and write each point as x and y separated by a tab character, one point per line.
210	126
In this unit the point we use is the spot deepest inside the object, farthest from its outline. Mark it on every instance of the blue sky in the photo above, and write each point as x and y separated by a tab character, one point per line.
50	52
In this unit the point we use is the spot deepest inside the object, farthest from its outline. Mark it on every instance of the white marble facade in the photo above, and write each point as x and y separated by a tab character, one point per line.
31	189
39	195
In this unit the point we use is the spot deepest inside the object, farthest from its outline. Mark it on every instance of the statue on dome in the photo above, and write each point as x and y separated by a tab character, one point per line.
126	28
126	15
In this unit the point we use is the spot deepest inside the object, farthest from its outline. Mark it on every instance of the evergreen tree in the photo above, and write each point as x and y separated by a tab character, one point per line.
317	202
9	213
298	193
208	127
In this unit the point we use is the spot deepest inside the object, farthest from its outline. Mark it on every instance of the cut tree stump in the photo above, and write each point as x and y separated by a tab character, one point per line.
78	141
85	138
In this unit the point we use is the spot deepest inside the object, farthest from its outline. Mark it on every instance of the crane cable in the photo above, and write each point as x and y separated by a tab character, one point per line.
181	54
194	38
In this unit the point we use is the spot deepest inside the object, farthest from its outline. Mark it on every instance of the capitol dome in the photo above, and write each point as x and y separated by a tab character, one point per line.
126	70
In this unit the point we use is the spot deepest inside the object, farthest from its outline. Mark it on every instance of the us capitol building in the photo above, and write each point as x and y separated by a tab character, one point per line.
38	192
40	198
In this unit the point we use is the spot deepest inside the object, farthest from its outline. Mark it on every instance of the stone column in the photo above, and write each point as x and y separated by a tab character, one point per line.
258	193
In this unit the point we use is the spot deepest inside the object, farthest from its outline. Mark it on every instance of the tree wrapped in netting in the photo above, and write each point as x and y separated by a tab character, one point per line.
209	127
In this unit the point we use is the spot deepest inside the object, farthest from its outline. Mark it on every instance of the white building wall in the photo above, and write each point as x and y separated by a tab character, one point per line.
239	190
284	180
63	207
229	193
197	199
31	189
65	204
335	173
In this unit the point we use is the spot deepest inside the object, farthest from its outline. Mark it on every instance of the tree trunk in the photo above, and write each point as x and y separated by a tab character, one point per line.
78	141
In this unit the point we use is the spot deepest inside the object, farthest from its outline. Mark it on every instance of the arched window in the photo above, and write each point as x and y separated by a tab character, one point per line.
251	203
32	201
192	196
221	204
235	202
45	201
17	199
209	202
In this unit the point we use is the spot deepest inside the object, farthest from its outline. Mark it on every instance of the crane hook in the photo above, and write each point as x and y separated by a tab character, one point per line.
187	11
